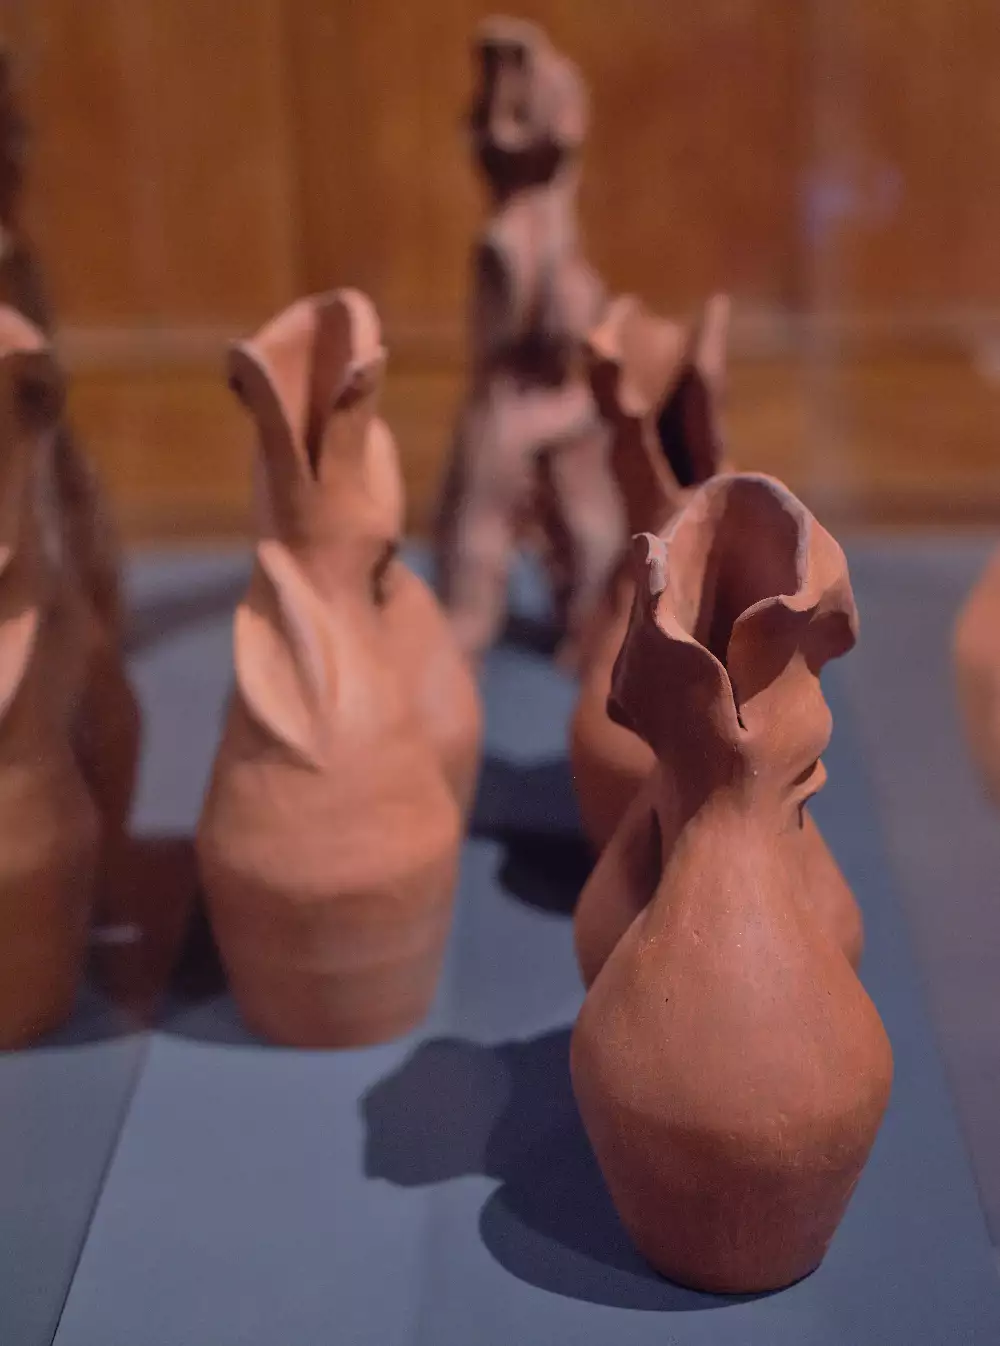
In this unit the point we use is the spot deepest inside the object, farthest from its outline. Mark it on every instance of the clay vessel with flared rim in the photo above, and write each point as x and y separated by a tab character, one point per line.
730	1069
329	840
106	730
658	386
51	829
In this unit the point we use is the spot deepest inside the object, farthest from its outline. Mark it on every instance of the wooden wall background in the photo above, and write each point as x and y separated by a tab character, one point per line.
835	164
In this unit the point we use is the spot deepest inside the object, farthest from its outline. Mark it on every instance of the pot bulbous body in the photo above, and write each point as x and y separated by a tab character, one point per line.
331	898
445	690
730	1069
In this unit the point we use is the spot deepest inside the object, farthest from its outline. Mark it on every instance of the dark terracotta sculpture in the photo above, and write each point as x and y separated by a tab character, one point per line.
977	672
730	1069
51	829
626	874
530	456
658	387
329	839
107	728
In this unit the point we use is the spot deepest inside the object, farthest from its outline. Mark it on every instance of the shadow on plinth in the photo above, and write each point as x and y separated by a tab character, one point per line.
155	620
530	634
531	811
199	1005
507	1111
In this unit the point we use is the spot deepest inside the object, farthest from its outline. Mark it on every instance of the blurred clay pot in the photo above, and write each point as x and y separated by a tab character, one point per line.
328	845
51	828
657	386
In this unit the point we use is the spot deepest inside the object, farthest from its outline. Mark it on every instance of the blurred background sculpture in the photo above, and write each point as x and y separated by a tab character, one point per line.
51	828
107	726
530	456
658	385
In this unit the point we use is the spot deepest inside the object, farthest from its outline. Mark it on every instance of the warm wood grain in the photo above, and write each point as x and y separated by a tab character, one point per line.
82	194
161	171
880	439
690	170
172	446
694	158
197	163
903	171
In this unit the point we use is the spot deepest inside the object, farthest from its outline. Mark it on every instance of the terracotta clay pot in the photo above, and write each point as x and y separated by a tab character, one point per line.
329	840
106	732
423	642
976	655
657	385
529	459
51	829
628	869
730	1069
107	727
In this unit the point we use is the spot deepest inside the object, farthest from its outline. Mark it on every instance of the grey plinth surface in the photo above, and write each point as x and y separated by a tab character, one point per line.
439	1191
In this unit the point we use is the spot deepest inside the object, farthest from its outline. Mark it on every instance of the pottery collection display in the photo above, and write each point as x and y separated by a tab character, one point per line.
658	387
730	1069
530	451
329	839
976	657
51	826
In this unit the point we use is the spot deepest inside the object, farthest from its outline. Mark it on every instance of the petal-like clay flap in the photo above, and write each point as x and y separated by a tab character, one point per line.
309	378
383	476
815	621
281	671
10	519
665	684
31	393
348	369
634	356
568	105
19	625
633	359
283	478
688	425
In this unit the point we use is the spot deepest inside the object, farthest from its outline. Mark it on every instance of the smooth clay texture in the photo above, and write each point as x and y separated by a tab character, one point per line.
51	826
658	387
628	869
329	840
730	1069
